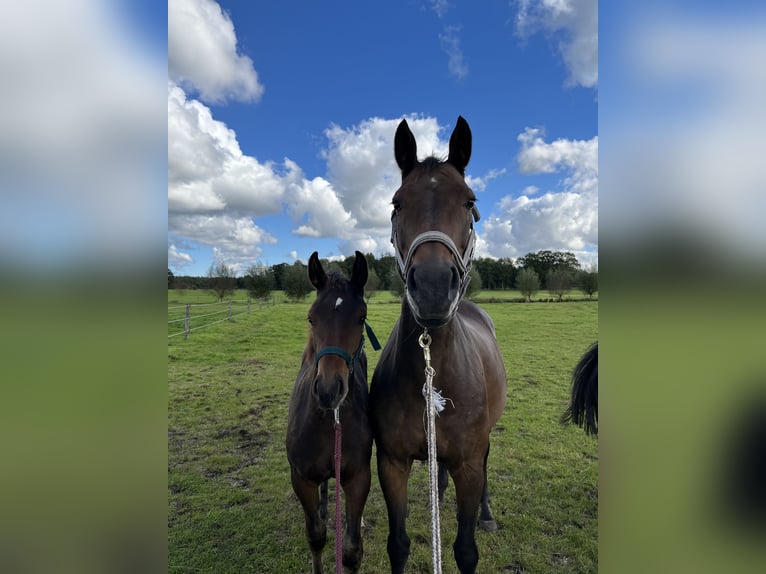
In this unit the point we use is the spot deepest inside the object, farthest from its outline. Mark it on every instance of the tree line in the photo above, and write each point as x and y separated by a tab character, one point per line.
554	271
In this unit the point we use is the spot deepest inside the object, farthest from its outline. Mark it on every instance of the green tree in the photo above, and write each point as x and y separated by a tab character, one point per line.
383	267
588	282
295	281
171	279
221	280
372	285
396	285
474	287
528	282
260	281
544	261
559	282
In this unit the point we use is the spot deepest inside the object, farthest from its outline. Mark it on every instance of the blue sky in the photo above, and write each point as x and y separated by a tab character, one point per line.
281	120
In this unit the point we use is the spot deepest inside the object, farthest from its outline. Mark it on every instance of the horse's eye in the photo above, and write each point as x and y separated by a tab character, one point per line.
397	206
469	204
362	320
310	320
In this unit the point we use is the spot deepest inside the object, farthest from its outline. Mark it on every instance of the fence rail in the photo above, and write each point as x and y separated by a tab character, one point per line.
187	318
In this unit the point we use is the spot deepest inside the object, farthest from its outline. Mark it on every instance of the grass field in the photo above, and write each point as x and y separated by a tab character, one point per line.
231	507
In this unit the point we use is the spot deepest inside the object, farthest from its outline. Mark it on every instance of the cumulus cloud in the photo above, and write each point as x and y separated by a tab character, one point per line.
214	190
560	220
236	240
207	170
449	40
574	25
202	53
176	258
480	183
317	200
361	166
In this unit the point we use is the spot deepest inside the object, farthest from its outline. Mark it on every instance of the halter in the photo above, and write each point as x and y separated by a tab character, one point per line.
343	354
463	261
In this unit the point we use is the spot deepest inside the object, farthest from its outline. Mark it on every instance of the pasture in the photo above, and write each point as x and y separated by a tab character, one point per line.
231	508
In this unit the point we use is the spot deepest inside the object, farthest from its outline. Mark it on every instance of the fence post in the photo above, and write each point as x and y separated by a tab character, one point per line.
248	304
186	321
229	316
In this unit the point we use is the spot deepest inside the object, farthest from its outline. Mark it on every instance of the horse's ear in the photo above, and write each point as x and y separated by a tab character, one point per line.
405	149
460	145
359	272
317	276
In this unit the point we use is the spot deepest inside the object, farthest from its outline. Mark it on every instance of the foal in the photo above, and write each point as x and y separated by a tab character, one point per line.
332	379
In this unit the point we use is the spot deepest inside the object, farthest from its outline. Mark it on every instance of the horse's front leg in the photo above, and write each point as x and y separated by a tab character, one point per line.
486	520
355	490
323	500
469	483
393	477
316	530
442	482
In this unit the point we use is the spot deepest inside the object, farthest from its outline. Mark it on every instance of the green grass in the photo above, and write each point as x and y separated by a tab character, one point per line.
231	507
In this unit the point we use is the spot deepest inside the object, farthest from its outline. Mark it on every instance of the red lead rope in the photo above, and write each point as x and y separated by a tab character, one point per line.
338	521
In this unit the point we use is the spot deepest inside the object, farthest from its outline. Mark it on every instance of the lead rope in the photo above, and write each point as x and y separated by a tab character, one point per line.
434	404
338	528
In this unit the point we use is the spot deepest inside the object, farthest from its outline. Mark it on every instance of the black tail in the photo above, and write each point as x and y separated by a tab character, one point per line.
583	408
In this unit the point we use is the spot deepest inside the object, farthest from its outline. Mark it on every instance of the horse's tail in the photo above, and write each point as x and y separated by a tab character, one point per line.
583	407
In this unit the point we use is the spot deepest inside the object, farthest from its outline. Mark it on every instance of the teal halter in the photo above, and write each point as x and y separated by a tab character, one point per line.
343	354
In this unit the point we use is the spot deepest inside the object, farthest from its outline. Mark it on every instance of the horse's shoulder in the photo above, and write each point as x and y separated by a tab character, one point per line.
475	315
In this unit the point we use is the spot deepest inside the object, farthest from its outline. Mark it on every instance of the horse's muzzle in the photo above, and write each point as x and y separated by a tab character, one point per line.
433	292
329	392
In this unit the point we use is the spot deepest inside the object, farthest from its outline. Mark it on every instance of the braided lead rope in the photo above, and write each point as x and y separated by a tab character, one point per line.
433	406
338	520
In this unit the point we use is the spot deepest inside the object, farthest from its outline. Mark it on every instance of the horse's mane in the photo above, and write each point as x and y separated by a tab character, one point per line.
337	281
432	162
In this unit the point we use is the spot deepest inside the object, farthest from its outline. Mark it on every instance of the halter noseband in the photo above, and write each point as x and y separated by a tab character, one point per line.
343	354
463	261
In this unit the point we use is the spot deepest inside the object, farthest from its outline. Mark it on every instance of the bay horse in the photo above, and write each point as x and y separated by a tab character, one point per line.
433	237
333	375
583	404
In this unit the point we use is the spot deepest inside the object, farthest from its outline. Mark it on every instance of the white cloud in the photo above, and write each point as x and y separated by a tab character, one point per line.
565	220
440	7
178	259
574	23
362	169
236	240
449	40
207	171
480	183
202	52
318	202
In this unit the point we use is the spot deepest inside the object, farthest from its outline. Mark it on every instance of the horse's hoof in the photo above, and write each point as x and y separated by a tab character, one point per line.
488	525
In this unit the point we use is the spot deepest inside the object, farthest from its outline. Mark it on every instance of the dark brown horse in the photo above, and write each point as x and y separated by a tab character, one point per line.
433	237
333	375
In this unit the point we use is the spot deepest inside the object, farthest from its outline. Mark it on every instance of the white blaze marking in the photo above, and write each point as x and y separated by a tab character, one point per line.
338	301
433	180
